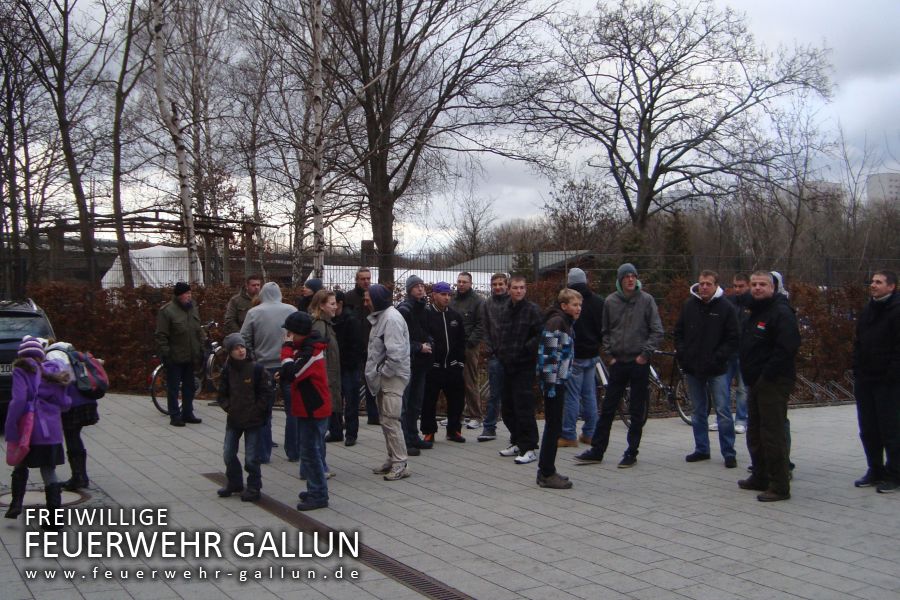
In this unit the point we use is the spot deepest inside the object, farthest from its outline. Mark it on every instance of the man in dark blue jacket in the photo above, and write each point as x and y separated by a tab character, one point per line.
876	373
706	336
769	344
413	311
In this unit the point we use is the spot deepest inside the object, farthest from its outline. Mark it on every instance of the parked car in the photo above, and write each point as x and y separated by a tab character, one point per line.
17	319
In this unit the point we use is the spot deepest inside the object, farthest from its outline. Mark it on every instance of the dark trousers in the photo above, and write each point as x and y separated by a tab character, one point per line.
350	394
636	378
180	377
766	439
412	405
553	414
517	406
451	382
74	443
878	411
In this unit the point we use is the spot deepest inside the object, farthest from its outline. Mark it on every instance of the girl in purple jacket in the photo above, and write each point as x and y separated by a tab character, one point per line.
42	384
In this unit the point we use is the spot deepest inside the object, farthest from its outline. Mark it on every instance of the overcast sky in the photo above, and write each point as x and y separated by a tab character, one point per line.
864	38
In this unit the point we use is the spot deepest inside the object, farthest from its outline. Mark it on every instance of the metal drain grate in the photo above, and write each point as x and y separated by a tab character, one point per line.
412	578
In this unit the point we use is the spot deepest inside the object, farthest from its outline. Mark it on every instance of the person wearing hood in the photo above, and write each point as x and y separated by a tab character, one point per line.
240	303
40	387
387	371
420	360
179	338
876	374
303	369
263	336
706	336
82	414
581	386
632	331
555	354
768	352
245	394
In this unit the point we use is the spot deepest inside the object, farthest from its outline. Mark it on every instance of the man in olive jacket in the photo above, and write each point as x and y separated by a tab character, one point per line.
179	338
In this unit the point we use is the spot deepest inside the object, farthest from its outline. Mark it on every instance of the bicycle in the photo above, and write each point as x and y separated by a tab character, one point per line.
672	392
206	377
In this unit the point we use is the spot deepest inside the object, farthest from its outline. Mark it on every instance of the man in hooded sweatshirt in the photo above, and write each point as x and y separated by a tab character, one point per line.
632	331
581	386
706	337
769	344
264	335
387	371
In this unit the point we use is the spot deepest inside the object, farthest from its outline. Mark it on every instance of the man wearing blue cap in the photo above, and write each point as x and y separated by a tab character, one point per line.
445	327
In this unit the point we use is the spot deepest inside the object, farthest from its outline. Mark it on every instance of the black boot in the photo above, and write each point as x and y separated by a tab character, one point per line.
79	479
19	482
53	496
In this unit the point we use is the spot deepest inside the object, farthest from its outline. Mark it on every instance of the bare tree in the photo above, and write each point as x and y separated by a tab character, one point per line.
663	89
584	215
470	220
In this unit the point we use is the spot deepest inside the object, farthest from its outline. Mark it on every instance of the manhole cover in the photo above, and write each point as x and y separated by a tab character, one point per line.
37	498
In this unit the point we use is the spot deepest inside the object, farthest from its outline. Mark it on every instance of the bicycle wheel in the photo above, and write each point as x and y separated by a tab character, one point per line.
214	365
683	403
158	390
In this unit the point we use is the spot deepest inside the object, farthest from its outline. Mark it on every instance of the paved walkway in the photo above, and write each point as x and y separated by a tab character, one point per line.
477	522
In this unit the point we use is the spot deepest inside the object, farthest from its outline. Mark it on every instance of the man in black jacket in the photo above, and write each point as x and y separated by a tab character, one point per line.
876	374
706	336
491	311
446	329
581	386
356	300
420	354
769	344
349	335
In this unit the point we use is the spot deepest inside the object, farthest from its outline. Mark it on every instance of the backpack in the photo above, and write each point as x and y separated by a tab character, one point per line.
90	376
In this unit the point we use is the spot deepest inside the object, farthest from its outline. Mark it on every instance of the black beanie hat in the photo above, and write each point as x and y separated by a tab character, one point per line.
181	288
314	284
380	295
298	322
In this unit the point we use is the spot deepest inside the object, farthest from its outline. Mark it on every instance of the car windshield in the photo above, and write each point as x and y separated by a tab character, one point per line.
15	327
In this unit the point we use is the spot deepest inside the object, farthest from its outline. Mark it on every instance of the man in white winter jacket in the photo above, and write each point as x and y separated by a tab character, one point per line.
387	372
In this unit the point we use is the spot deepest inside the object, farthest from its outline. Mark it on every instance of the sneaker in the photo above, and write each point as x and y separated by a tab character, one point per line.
443	422
627	461
887	487
555	481
714	425
413	451
868	480
591	455
773	496
584	439
386	467
228	490
564	443
511	450
527	457
473	424
250	495
730	462
740	428
487	435
398	471
753	483
696	456
456	437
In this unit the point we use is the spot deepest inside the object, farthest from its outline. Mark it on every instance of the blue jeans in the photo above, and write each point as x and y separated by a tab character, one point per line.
412	405
581	399
264	446
291	435
251	457
312	457
740	390
495	385
350	394
717	387
180	377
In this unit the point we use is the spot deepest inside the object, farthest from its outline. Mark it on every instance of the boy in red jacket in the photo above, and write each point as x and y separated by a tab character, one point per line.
303	368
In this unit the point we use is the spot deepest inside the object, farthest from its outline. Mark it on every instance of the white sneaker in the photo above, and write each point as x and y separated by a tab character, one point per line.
714	425
511	450
740	428
398	471
473	424
443	422
528	457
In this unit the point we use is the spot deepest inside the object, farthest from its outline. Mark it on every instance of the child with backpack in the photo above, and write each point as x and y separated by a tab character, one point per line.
303	369
244	393
38	387
82	414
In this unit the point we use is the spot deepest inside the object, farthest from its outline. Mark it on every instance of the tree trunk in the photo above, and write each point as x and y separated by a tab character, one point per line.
381	208
318	141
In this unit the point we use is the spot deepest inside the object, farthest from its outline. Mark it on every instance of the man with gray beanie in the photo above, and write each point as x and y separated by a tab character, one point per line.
420	359
632	331
387	371
581	386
